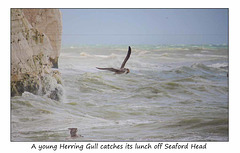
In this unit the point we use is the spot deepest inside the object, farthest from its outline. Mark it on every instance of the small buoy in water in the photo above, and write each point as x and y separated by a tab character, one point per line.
73	132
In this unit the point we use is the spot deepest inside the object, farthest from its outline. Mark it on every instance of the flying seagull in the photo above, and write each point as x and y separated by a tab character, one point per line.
122	69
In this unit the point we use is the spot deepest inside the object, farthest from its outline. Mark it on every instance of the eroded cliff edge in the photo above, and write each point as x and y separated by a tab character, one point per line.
35	48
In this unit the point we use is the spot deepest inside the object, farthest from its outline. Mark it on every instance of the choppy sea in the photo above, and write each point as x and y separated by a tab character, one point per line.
172	93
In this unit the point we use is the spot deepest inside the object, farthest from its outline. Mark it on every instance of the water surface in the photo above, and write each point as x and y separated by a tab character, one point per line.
172	93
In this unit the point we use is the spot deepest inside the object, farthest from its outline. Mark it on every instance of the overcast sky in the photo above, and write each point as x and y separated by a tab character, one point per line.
144	26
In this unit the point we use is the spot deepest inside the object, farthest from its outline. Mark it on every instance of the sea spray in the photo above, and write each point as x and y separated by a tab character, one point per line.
51	88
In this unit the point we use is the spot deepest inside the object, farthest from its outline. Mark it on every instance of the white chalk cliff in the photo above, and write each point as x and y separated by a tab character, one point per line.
35	48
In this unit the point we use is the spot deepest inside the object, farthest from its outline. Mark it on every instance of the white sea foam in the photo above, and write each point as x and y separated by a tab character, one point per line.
204	51
206	55
107	56
85	54
218	65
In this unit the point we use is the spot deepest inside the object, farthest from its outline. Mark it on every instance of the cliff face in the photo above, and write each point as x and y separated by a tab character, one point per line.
49	22
35	48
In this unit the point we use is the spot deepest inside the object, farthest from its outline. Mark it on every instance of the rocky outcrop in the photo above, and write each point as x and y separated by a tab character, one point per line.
49	22
35	48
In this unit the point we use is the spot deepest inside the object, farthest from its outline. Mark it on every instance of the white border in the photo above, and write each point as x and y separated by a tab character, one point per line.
234	50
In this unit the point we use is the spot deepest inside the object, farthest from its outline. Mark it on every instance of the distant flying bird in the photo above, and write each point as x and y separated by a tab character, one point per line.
122	69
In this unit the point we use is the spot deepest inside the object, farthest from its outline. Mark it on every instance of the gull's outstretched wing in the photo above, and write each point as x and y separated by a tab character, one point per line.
126	58
109	69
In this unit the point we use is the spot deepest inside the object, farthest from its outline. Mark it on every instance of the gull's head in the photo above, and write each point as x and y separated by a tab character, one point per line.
127	71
